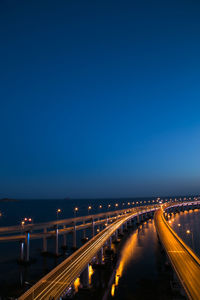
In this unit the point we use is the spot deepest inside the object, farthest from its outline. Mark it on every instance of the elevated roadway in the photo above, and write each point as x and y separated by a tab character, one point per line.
184	261
55	283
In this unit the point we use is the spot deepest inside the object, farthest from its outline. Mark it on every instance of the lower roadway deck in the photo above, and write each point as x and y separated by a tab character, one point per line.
184	261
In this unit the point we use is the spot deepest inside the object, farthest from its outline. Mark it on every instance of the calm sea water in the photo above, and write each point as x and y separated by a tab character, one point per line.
140	273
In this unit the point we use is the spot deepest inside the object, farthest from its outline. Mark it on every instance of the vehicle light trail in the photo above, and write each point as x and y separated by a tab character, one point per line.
184	261
55	283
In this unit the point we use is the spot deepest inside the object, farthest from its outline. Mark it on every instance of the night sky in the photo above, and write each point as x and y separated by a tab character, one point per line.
99	98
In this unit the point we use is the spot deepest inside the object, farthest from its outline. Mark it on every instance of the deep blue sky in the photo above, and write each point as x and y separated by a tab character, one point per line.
99	98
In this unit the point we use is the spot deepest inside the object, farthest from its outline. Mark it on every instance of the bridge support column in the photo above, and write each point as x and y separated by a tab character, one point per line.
125	225
84	233
109	242
93	227
85	277
74	237
100	256
21	251
64	241
45	241
138	219
56	238
27	241
64	245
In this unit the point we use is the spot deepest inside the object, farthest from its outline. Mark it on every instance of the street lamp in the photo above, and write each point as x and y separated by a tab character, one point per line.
188	232
100	207
75	211
89	208
58	211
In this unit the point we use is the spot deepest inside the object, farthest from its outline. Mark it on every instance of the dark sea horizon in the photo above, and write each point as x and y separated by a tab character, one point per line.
43	210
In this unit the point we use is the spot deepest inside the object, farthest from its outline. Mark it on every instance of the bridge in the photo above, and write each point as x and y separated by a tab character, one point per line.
55	283
53	229
184	261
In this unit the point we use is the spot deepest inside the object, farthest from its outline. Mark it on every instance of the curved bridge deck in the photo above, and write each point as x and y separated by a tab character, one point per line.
184	261
59	279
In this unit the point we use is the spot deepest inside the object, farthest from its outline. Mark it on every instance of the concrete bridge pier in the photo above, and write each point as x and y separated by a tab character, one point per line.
107	220
100	256
74	237
84	278
142	217
129	223
84	232
27	242
45	241
21	251
93	227
109	242
56	241
64	241
138	218
125	226
133	220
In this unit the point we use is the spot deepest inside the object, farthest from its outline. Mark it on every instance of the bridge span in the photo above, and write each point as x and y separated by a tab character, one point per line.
55	283
54	229
184	261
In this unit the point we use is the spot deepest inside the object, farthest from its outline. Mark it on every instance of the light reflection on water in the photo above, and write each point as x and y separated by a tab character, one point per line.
137	272
126	254
76	284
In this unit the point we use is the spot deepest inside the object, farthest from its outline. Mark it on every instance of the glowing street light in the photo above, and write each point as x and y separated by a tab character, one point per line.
75	211
89	208
190	232
58	211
